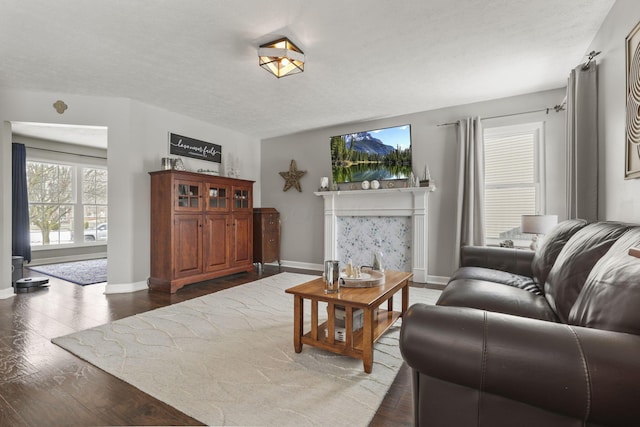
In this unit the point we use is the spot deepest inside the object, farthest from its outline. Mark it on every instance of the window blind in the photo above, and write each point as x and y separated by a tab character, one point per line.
510	182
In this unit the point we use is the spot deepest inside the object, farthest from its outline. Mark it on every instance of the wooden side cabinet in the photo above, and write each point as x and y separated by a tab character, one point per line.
266	236
201	228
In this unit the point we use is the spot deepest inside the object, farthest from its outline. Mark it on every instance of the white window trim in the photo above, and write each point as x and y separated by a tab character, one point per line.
40	156
538	131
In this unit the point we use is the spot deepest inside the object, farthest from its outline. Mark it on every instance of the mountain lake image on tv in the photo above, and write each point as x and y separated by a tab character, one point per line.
381	154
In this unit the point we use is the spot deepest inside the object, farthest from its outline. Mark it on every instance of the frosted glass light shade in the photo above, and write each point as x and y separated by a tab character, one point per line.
281	58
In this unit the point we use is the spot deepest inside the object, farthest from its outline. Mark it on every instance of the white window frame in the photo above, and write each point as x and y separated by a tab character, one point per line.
80	202
73	202
77	162
537	129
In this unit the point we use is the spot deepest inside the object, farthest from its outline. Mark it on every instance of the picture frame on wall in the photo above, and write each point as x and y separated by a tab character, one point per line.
632	128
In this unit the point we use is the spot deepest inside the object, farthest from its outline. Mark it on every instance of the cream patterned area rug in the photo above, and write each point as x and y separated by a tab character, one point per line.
227	359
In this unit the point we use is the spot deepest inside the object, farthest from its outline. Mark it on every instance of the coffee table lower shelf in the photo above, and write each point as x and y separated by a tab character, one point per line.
353	344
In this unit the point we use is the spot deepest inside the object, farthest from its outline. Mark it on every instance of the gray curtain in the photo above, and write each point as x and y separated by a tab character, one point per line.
21	239
470	209
582	143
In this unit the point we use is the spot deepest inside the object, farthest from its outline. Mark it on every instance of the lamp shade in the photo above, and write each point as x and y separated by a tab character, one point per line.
538	224
281	57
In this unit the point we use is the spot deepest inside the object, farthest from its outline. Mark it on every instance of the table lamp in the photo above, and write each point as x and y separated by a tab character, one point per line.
536	225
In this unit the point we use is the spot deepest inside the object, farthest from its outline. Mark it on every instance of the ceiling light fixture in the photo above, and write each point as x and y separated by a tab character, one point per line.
281	57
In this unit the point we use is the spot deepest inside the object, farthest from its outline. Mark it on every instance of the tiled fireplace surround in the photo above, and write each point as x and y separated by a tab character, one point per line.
393	221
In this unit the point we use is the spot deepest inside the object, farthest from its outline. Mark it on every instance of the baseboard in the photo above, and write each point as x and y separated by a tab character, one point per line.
122	288
437	280
432	280
298	265
7	293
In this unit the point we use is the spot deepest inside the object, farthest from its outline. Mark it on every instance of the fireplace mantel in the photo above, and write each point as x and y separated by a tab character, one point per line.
389	202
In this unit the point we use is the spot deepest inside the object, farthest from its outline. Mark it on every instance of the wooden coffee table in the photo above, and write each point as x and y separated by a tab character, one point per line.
358	344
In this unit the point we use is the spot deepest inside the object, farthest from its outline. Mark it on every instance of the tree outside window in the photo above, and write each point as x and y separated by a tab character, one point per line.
94	201
51	199
56	214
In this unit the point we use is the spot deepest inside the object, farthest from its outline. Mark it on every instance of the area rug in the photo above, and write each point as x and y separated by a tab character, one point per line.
227	359
78	272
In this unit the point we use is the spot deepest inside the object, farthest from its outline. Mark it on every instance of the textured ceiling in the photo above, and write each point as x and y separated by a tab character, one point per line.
365	59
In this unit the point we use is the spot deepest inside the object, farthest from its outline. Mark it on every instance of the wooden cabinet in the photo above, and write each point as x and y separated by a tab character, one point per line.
201	228
266	236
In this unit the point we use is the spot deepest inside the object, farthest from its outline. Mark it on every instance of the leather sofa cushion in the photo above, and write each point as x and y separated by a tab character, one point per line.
550	248
574	263
610	298
495	297
497	276
525	360
587	375
516	261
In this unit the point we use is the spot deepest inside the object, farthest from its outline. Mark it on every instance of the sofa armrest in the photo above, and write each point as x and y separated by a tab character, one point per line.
583	373
516	261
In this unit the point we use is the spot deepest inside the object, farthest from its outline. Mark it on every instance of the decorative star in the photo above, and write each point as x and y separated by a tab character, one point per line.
292	177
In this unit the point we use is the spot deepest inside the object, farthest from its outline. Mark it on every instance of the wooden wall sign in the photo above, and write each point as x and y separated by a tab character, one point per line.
189	147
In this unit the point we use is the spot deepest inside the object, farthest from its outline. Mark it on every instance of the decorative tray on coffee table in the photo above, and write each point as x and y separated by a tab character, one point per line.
368	279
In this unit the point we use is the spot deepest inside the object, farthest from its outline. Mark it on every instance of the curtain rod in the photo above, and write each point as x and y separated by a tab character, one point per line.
557	108
590	58
64	152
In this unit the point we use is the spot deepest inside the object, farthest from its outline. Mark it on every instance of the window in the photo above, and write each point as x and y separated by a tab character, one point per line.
514	185
94	202
51	201
57	215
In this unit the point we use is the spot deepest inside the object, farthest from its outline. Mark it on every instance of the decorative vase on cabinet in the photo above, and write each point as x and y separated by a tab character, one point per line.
201	228
266	236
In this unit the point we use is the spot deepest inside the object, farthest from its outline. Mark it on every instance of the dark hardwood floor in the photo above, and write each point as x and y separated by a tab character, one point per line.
42	384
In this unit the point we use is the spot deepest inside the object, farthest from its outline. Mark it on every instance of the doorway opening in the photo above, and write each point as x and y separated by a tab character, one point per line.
68	190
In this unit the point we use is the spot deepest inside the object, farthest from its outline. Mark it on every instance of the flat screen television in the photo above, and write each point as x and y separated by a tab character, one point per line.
380	154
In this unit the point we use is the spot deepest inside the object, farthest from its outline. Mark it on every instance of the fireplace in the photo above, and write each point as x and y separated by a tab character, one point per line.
393	221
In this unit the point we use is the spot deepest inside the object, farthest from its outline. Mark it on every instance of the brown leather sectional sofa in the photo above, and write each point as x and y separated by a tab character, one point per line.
524	339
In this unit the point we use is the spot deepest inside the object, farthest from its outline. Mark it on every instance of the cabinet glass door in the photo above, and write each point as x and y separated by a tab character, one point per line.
241	199
217	197
188	195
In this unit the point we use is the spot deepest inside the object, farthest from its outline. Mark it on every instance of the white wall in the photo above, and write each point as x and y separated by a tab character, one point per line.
302	213
150	128
619	199
138	139
38	107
